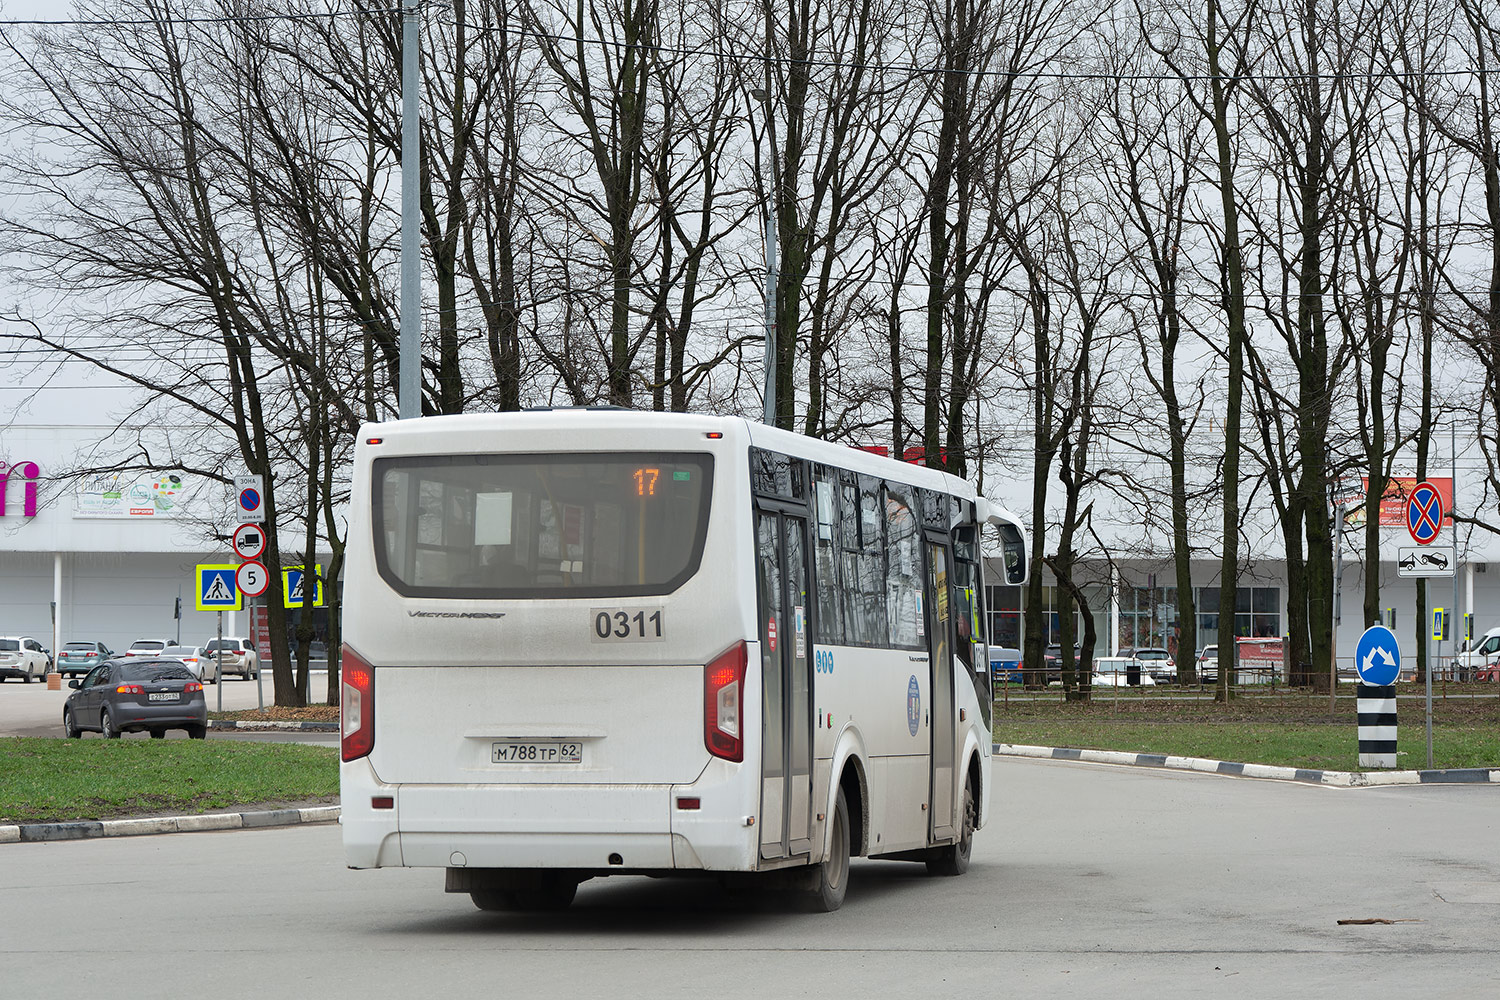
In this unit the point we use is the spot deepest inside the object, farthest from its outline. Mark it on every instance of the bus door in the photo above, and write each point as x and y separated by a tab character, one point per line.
940	658
786	675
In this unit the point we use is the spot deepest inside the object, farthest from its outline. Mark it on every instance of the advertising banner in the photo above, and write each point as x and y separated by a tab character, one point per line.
1393	502
130	495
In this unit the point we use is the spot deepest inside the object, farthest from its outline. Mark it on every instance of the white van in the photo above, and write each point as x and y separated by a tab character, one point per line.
1477	653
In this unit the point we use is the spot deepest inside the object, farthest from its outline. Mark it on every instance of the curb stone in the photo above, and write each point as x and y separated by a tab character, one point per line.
30	833
314	727
26	833
1333	779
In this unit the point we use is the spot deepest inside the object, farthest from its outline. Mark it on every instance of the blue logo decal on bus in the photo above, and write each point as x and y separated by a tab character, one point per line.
822	661
913	705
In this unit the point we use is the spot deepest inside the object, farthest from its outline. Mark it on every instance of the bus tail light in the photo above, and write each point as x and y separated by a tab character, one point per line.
723	697
357	706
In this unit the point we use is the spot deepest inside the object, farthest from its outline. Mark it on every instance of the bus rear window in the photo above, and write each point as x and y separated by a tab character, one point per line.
523	526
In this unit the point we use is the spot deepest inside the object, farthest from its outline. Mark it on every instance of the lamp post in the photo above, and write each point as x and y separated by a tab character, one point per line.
408	395
772	277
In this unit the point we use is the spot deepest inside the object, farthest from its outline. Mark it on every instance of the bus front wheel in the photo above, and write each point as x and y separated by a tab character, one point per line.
833	873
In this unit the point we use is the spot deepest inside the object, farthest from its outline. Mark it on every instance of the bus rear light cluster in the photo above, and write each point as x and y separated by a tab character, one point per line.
723	697
356	707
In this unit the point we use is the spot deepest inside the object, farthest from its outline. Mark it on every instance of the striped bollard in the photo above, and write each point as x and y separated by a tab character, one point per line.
1376	705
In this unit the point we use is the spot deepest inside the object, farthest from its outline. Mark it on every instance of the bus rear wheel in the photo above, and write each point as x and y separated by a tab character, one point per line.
954	859
833	874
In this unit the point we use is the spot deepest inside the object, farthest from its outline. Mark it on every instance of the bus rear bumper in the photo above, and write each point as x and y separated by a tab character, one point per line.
370	835
642	827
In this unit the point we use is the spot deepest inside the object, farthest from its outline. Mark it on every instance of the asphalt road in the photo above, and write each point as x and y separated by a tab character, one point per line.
32	710
1094	881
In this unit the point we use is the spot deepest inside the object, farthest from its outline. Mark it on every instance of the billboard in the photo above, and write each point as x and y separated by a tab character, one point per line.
132	495
1393	501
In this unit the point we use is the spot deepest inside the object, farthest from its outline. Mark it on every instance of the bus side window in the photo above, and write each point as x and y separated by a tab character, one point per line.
965	596
904	579
830	619
863	545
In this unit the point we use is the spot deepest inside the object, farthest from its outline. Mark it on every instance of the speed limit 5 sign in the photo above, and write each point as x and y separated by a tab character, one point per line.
252	579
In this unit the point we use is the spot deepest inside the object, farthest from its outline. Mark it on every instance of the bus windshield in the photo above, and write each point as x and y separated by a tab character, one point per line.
538	526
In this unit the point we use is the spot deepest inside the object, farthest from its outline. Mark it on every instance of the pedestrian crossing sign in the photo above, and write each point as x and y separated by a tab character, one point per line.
291	587
216	590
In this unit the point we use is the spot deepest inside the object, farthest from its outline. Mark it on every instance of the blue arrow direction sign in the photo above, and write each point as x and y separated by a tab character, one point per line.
215	588
1377	656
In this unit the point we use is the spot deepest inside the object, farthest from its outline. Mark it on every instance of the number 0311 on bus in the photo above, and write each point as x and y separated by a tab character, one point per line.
582	643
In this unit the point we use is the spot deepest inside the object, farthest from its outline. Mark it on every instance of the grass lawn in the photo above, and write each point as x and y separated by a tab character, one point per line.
1291	729
54	780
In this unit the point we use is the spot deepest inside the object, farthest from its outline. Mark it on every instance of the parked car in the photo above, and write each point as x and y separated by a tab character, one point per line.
22	656
148	647
1157	661
136	695
81	657
1005	664
1117	671
1477	653
1208	663
1053	658
232	655
192	657
1120	680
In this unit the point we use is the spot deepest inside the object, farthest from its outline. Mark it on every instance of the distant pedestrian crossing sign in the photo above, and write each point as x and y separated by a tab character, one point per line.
292	587
216	590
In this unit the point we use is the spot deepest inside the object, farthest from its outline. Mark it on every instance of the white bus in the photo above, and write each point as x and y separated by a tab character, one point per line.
596	641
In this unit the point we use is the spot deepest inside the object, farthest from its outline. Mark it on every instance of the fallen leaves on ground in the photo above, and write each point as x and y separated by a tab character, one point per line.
283	713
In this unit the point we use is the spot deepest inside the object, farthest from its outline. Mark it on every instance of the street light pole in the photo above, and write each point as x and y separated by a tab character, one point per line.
772	275
408	391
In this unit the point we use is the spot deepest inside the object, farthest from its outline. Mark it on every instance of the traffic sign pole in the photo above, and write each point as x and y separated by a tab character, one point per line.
1377	660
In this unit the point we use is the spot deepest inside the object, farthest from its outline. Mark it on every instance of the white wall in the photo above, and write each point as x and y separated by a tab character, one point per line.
112	598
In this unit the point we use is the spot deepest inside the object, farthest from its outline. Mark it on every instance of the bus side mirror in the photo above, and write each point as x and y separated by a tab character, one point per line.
1013	553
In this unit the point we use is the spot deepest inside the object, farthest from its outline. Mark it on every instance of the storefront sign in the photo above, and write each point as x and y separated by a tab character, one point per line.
25	473
132	494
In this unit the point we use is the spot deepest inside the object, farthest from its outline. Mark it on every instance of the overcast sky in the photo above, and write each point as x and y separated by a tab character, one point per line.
40	10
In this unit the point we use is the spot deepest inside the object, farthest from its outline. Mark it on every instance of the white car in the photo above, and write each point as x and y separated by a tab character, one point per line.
192	657
1208	663
232	655
22	656
1157	660
148	647
1114	671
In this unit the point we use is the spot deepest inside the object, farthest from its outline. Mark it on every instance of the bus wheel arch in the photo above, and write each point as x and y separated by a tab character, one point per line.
975	774
854	784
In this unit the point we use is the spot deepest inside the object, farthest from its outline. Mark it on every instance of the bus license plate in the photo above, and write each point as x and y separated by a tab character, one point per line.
536	752
163	696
